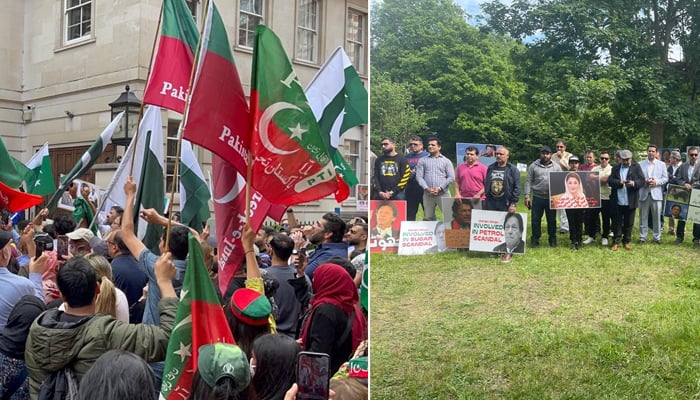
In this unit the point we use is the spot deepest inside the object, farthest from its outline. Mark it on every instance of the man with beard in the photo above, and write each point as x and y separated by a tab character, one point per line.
327	234
391	173
414	193
502	183
513	227
537	196
357	239
625	180
688	176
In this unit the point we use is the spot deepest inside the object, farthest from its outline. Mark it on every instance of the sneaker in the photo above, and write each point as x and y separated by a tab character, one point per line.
506	258
678	242
589	240
534	243
563	231
671	232
604	242
611	234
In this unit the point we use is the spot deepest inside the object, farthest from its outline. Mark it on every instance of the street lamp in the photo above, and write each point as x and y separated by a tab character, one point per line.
130	104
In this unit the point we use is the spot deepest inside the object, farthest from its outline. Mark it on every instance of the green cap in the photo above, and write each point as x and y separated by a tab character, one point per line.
223	359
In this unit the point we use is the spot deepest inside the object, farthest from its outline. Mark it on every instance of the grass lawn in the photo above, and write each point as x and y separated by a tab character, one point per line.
552	324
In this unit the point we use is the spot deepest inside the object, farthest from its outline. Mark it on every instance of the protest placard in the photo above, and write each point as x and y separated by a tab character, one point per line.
385	224
574	189
498	232
417	237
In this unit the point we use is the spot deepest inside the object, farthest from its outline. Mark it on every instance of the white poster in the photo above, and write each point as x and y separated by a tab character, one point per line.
421	237
498	232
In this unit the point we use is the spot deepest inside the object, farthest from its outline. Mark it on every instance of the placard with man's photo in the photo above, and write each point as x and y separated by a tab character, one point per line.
457	214
498	232
385	224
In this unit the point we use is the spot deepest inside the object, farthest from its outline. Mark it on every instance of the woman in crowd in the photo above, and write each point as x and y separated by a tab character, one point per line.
223	373
111	300
335	325
118	375
273	364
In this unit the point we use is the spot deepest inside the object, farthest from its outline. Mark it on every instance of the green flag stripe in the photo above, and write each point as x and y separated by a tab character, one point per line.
195	210
356	106
150	194
179	24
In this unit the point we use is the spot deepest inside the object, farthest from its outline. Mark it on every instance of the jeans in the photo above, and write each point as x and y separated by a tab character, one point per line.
540	207
414	198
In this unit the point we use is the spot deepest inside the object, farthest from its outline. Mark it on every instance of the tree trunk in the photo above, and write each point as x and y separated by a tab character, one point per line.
656	131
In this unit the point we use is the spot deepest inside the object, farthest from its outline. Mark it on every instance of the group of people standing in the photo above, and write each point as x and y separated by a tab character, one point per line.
422	178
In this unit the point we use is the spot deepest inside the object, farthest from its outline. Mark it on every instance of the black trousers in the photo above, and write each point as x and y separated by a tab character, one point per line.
623	223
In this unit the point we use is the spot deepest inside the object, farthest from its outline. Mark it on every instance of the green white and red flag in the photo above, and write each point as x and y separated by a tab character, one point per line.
217	118
339	102
229	209
292	164
199	320
170	71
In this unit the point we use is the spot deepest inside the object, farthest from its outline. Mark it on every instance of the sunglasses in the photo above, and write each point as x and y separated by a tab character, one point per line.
693	155
604	158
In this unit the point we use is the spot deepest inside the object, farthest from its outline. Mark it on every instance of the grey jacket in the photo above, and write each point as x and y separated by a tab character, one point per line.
537	180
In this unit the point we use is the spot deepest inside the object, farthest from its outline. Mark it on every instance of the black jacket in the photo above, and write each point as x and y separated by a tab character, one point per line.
635	174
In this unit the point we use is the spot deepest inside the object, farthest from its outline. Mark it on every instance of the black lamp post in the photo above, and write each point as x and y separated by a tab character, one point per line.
130	104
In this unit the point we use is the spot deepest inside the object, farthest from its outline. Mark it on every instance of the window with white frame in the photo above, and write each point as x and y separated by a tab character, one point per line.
171	155
307	30
78	20
352	157
250	16
193	5
355	41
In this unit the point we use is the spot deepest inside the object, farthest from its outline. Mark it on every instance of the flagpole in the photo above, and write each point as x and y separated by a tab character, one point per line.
153	50
181	128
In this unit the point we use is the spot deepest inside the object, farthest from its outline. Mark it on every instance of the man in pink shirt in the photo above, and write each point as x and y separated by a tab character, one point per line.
470	177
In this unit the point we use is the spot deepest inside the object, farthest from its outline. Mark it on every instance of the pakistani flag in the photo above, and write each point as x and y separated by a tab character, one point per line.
150	192
12	171
86	160
40	177
135	153
170	73
339	102
194	192
199	320
292	164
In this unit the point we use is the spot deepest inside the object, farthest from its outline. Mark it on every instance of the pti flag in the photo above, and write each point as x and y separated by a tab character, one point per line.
170	73
86	160
194	192
12	171
339	102
217	118
292	164
229	209
40	177
199	320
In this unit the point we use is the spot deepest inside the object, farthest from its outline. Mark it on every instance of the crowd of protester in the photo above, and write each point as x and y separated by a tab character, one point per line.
102	308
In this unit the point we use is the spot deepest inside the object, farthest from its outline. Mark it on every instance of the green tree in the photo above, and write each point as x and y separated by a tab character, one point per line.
461	78
393	113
